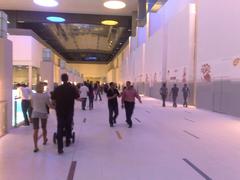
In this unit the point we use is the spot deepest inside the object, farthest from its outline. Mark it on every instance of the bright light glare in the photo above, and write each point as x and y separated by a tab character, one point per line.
46	3
109	22
114	4
193	8
55	19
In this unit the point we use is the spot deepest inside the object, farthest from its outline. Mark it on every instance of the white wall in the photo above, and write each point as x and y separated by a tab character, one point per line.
36	53
218	38
22	47
179	49
26	50
154	57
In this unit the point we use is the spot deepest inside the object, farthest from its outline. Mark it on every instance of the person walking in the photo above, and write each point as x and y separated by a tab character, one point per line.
164	93
39	102
112	95
98	91
174	94
186	93
25	94
84	90
64	96
90	95
128	101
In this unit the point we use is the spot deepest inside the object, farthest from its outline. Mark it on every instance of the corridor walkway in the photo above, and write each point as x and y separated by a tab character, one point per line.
164	144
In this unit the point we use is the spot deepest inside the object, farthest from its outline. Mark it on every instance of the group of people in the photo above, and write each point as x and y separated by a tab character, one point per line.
63	97
128	96
35	106
174	93
88	90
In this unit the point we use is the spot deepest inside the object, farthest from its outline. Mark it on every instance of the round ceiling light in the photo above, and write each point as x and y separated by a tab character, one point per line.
113	4
109	22
46	3
55	19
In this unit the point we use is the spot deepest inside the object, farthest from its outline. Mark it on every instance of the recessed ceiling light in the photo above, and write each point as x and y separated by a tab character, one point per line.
55	19
114	4
109	22
20	21
8	22
46	3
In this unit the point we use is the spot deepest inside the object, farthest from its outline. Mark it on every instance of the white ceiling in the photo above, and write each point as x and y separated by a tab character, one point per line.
71	6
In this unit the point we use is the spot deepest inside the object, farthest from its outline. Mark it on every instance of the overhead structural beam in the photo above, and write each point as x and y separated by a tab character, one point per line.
150	4
145	6
40	17
134	23
142	11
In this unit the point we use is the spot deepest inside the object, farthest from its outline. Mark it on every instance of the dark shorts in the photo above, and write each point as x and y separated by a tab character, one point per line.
35	122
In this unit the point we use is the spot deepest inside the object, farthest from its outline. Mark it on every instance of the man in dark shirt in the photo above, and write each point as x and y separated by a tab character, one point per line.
64	96
112	94
164	93
186	93
174	93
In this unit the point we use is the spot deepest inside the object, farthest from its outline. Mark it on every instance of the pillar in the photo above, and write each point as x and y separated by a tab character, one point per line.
6	69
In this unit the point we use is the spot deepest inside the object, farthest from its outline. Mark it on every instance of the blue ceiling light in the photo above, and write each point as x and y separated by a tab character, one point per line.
46	3
91	58
55	19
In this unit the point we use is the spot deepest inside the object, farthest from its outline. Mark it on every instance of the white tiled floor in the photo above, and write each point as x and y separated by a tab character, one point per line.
153	149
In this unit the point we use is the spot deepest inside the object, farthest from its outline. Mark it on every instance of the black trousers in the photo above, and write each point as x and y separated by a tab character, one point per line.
113	113
27	110
164	100
185	101
129	107
91	98
174	101
84	100
64	128
98	94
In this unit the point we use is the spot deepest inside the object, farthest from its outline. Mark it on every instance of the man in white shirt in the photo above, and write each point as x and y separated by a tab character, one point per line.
84	94
25	95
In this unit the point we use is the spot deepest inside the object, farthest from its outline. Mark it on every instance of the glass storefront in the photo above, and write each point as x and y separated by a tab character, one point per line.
35	77
17	115
21	76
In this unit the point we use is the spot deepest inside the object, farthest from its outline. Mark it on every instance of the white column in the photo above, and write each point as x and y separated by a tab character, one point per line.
47	73
6	69
30	77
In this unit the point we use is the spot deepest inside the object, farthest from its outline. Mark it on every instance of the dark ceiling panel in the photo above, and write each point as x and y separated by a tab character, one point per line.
81	38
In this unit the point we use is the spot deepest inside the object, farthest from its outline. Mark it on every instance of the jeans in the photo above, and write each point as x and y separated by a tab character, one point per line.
26	108
113	113
98	94
91	98
84	100
129	107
